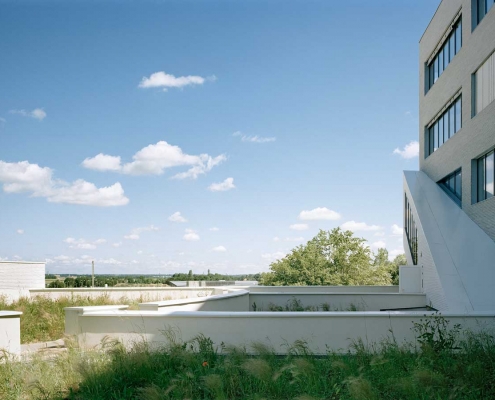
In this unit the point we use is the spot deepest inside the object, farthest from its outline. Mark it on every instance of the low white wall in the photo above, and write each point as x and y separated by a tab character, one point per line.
72	315
323	331
131	293
10	331
325	289
237	300
18	277
338	301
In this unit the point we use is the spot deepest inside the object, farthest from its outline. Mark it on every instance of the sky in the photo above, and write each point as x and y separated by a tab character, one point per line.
155	137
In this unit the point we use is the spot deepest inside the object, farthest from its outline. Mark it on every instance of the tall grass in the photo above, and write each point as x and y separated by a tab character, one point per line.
43	319
196	370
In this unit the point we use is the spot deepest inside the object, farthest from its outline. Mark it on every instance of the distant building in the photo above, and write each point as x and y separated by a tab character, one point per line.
449	204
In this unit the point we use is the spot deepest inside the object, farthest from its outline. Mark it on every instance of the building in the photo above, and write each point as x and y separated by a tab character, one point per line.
449	204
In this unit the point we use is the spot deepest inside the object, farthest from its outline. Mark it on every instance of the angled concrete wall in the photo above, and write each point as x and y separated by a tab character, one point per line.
456	256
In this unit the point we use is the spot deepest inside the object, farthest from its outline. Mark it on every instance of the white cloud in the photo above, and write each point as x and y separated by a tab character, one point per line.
140	251
254	139
165	81
227	184
359	226
294	239
154	160
219	249
276	239
37	113
273	256
411	150
299	227
191	235
136	232
176	217
83	244
26	177
380	244
394	253
397	230
319	213
214	229
20	231
379	233
117	244
102	162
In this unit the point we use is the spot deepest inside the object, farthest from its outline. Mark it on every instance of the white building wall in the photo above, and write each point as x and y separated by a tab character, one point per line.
17	277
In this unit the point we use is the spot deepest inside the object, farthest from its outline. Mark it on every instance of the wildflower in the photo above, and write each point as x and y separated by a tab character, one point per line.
205	363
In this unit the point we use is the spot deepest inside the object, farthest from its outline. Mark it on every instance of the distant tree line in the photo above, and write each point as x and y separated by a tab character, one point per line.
109	280
213	277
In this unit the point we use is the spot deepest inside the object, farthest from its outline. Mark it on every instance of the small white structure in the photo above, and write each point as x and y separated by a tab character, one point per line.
10	332
17	277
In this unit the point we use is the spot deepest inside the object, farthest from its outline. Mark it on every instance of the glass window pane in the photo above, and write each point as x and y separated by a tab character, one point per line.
458	37
446	57
440	131
481	179
479	90
431	140
440	62
458	114
435	69
451	46
451	121
490	175
451	183
458	185
489	4
435	136
445	127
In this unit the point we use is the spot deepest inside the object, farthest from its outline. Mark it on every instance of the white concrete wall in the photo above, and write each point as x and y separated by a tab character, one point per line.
10	332
237	300
322	331
324	289
339	301
409	279
17	277
130	293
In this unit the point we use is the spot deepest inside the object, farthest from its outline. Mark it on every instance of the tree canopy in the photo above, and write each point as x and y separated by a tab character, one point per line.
333	258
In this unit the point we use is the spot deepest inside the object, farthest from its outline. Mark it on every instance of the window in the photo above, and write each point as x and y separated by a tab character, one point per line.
446	125
411	230
452	184
444	56
486	175
484	86
481	8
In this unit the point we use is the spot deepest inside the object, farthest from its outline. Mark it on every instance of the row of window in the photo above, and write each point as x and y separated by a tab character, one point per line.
486	176
411	230
452	184
481	8
444	127
443	58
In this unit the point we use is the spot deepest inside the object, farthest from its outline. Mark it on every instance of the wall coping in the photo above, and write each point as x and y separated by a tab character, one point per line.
22	262
10	314
289	314
236	293
337	293
120	289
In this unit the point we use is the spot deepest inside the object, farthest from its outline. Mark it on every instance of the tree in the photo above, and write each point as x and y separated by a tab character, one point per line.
331	258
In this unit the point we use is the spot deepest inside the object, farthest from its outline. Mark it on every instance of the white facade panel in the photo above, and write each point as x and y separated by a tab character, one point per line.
16	278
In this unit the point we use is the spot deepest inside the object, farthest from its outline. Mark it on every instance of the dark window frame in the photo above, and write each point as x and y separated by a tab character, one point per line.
450	186
481	176
411	230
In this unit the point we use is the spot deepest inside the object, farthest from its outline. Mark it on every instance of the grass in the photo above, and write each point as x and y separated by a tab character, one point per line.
196	370
43	319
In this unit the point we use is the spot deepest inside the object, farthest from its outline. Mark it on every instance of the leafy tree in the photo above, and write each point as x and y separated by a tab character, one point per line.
381	260
331	258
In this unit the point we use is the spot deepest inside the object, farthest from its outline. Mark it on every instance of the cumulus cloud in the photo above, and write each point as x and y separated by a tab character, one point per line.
299	227
397	230
380	244
214	229
154	160
191	235
410	150
319	213
273	256
83	244
163	80
37	113
219	249
176	217
359	226
20	231
254	139
394	253
136	232
227	184
22	177
117	244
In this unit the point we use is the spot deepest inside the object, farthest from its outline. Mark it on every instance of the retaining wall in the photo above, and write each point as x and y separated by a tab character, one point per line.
10	332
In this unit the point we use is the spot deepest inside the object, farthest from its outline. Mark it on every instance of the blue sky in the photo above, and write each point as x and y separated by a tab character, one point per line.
258	122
